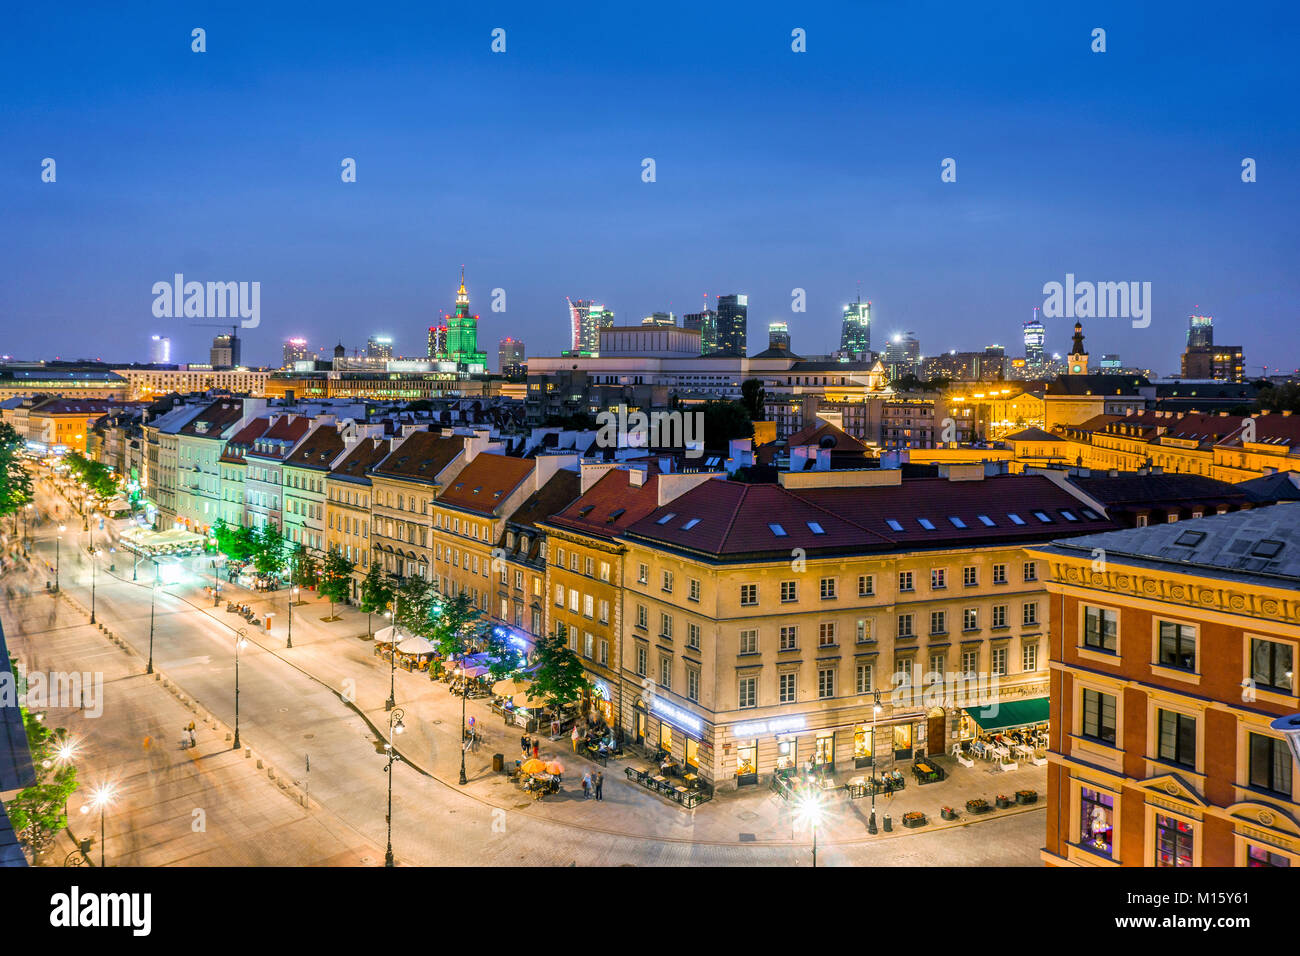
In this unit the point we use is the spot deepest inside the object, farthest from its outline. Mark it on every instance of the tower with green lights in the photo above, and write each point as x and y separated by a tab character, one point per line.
462	334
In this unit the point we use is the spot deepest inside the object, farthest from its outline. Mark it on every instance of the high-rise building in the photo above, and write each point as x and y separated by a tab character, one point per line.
511	356
379	347
855	333
733	324
225	351
1223	363
706	323
462	334
587	318
660	318
902	355
1200	331
295	350
160	350
1109	364
778	335
1035	336
437	340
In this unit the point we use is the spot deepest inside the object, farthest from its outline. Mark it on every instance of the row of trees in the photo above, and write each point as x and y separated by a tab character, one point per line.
15	480
96	475
37	813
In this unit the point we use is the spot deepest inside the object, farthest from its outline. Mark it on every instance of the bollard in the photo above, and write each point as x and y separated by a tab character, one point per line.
259	763
889	824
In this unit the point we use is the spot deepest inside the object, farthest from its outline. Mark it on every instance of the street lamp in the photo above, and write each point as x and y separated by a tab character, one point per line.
241	641
875	713
464	694
58	540
809	810
395	726
100	799
26	509
292	594
392	659
153	598
94	567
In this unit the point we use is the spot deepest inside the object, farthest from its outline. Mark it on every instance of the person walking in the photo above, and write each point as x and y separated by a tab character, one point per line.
586	786
523	743
600	783
537	749
575	738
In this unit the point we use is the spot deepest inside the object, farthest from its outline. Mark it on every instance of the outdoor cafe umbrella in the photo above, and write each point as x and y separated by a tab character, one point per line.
555	767
534	766
521	700
385	634
415	644
511	686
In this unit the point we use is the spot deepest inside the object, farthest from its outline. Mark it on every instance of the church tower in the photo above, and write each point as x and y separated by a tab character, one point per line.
1078	354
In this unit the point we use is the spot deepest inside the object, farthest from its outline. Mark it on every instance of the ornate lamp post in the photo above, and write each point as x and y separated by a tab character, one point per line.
94	567
241	641
153	597
875	713
464	694
293	589
392	659
395	726
58	541
100	799
809	809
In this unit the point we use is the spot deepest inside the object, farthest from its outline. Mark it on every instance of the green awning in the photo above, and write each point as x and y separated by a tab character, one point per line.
1011	713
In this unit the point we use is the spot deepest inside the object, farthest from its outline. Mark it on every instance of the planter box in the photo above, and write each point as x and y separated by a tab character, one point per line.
1003	804
948	814
982	807
1026	796
913	822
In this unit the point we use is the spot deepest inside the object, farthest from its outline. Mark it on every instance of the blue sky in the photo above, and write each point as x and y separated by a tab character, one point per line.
775	169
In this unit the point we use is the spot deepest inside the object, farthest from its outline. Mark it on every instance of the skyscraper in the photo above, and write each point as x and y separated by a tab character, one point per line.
1200	331
225	351
706	323
160	350
855	333
902	355
587	319
660	318
437	340
462	334
778	335
511	356
1035	336
733	324
379	347
295	350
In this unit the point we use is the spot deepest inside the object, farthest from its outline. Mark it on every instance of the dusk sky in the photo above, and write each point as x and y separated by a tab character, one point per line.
775	169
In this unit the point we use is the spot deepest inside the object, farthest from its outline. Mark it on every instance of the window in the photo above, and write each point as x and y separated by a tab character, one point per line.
748	696
863	685
588	644
826	634
573	561
825	683
748	595
970	576
970	662
1173	842
786	683
905	581
693	636
1271	664
903	672
666	673
1177	646
588	605
573	600
938	579
864	631
1100	626
589	566
938	664
1259	856
642	573
905	626
1096	821
828	589
1029	614
789	637
641	616
1270	764
999	574
866	585
1031	571
559	595
694	594
604	612
693	684
1098	716
777	530
665	626
604	570
1176	738
999	618
559	552
938	622
998	661
640	661
667	585
749	642
970	619
789	591
1029	658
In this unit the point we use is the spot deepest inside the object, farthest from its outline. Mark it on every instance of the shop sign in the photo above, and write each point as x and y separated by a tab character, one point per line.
675	715
777	725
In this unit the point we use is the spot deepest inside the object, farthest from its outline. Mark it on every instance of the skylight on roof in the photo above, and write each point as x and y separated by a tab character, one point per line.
893	525
1090	514
1043	517
777	530
1267	548
667	518
925	523
1067	514
988	522
616	514
816	528
1190	539
1015	518
956	522
585	510
690	524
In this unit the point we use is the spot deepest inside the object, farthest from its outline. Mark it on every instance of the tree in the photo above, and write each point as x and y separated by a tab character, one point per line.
456	625
415	606
335	579
376	594
37	813
724	421
269	560
304	569
15	480
244	543
97	476
1280	398
559	677
751	396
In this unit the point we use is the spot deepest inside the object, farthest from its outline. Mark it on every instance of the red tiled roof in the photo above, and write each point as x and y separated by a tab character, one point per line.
215	419
485	482
814	433
242	440
611	505
287	430
730	519
319	450
356	465
421	457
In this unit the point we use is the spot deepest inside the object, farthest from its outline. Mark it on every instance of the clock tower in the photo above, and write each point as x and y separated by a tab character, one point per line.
1078	354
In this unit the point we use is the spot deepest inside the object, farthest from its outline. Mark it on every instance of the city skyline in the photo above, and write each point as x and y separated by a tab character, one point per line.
1028	205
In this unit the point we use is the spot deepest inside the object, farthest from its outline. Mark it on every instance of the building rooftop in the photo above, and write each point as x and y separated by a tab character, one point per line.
422	456
356	464
213	421
613	503
319	450
486	482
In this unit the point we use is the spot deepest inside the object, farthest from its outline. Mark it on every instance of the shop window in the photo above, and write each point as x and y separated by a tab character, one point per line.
1261	856
902	741
693	753
862	746
665	737
1173	842
1096	821
824	750
747	764
787	753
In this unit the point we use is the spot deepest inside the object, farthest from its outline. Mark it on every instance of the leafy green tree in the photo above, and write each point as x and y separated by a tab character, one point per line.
336	579
751	396
38	812
1280	398
415	606
15	479
558	677
270	558
376	594
724	421
455	625
304	569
